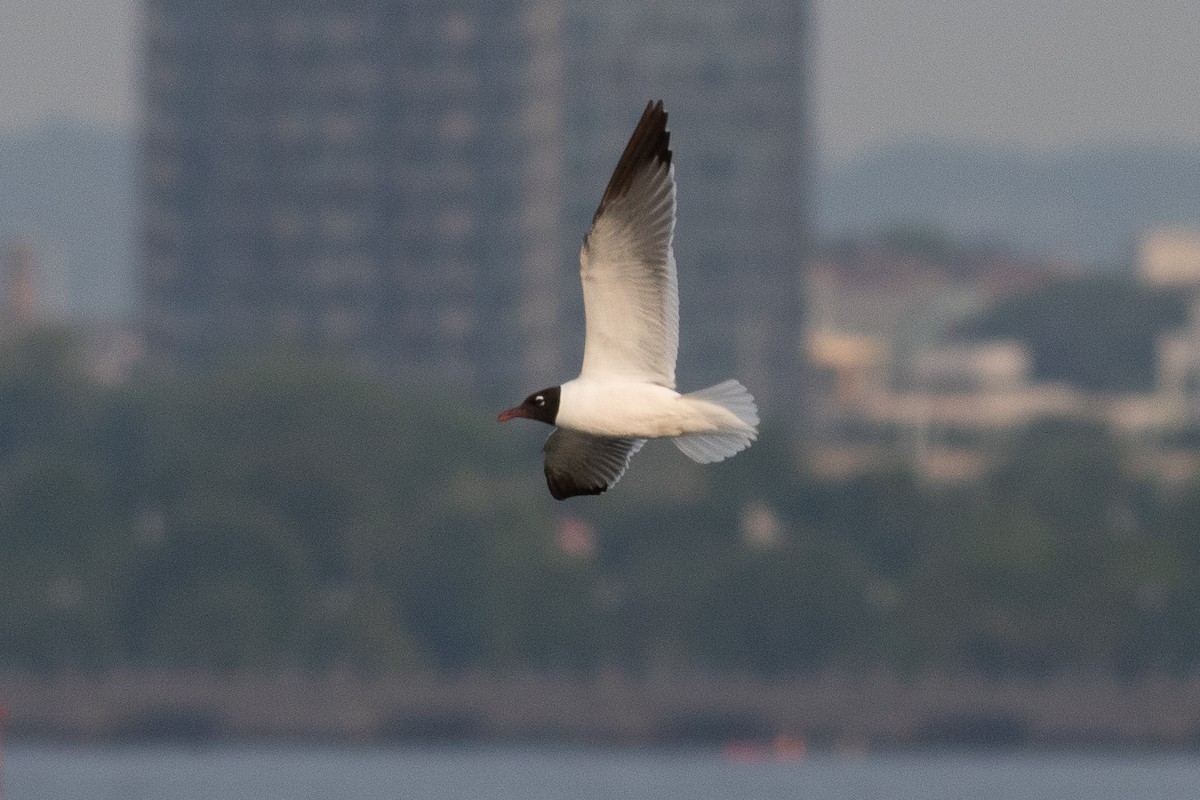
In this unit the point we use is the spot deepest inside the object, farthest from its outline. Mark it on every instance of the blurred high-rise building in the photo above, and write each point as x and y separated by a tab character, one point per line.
370	176
390	179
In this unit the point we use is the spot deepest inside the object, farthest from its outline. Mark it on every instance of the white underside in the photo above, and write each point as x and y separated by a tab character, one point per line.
707	426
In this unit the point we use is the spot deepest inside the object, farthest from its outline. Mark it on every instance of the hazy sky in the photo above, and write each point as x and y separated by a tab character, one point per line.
1033	73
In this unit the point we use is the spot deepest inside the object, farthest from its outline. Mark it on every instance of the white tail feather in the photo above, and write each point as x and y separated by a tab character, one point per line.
706	448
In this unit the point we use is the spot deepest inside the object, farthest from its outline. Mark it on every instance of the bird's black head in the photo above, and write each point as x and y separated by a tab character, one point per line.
542	406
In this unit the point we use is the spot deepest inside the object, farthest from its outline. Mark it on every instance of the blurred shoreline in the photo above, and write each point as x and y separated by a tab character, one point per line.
849	714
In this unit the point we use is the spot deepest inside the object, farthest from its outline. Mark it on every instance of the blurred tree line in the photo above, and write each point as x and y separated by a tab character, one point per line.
283	512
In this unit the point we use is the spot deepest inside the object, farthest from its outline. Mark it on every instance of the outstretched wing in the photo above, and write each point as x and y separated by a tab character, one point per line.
580	463
630	290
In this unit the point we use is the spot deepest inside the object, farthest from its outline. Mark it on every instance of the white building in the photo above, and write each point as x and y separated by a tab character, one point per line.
1170	256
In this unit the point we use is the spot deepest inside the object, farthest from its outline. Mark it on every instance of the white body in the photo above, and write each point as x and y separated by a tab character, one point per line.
641	410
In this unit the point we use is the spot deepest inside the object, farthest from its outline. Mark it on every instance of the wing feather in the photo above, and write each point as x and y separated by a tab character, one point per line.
579	463
630	288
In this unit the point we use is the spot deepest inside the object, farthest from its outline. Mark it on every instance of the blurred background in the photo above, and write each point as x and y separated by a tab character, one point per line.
271	268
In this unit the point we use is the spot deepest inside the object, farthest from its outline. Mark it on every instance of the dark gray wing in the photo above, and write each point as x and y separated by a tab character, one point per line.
580	463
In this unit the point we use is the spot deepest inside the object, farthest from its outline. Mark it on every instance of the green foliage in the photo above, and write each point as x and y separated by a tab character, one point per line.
228	585
61	535
286	512
1065	473
797	606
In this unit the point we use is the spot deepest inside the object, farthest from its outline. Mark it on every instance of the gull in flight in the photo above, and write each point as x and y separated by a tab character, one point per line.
625	392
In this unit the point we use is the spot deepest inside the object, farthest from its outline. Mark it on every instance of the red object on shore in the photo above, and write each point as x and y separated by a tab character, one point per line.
781	748
742	752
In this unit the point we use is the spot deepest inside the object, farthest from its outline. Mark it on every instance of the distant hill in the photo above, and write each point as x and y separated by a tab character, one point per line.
70	189
1085	205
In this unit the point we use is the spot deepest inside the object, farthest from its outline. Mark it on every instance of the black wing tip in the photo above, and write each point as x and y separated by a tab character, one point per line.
650	140
649	145
563	486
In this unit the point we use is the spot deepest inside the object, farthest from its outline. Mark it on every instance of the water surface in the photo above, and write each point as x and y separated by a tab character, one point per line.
291	773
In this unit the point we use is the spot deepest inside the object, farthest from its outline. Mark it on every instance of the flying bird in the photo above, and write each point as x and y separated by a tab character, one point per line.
625	392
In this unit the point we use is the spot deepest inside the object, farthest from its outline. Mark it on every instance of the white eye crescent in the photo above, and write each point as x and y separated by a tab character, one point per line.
539	400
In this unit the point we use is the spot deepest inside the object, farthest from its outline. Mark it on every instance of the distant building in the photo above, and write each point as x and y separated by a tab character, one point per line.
891	380
992	366
391	179
109	349
32	285
1170	256
22	268
372	176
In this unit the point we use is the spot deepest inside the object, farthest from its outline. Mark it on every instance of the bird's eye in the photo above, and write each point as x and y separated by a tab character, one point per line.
539	400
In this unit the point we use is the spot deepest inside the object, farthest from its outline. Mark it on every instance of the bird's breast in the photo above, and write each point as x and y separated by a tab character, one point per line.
623	408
